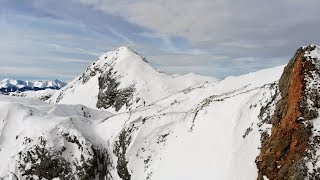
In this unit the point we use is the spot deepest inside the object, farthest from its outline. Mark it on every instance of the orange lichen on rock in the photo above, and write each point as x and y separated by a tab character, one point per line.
281	154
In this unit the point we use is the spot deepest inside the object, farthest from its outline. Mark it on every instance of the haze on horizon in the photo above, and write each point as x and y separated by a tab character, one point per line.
56	39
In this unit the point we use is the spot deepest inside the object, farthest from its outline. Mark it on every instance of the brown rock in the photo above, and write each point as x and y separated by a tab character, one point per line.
282	154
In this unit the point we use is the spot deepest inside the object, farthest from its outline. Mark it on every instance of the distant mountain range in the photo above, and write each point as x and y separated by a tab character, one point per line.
13	85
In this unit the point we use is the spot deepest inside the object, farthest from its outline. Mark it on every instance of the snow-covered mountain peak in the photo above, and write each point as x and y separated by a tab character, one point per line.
124	79
13	85
121	54
123	58
10	81
55	84
7	80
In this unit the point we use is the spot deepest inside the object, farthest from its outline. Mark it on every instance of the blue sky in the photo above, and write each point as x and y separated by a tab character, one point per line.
49	39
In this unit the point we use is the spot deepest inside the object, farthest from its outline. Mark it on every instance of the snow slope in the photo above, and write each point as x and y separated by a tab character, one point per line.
39	94
33	134
198	133
126	78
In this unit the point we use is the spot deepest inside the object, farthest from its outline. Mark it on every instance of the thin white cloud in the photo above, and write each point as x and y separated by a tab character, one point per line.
202	36
73	50
121	36
40	72
64	60
223	23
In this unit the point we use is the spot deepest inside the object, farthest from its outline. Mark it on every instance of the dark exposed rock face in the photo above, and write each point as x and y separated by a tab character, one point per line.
109	93
45	97
120	151
283	154
41	161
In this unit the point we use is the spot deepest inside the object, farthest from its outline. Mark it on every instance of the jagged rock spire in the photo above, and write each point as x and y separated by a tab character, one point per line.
285	153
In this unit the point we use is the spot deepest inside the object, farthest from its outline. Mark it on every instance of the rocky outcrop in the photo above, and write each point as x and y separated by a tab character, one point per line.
41	161
120	151
110	95
284	154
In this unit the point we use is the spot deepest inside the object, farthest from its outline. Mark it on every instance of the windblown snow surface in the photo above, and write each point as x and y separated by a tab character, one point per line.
40	94
127	79
186	127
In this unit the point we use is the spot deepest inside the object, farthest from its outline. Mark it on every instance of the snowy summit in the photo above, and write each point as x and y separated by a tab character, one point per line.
121	80
13	85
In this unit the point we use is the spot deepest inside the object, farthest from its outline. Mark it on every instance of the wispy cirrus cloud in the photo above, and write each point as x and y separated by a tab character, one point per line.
211	37
22	72
236	28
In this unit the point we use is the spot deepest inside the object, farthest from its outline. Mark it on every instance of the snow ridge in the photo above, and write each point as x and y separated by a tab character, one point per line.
127	80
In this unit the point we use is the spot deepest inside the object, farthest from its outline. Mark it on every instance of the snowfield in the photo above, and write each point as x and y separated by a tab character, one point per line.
40	94
159	127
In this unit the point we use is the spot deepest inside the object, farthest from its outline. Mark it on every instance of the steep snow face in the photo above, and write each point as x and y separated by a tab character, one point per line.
121	80
12	85
38	140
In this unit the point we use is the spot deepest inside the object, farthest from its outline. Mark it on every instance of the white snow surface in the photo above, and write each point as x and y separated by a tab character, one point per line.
27	118
130	70
49	84
40	94
191	127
